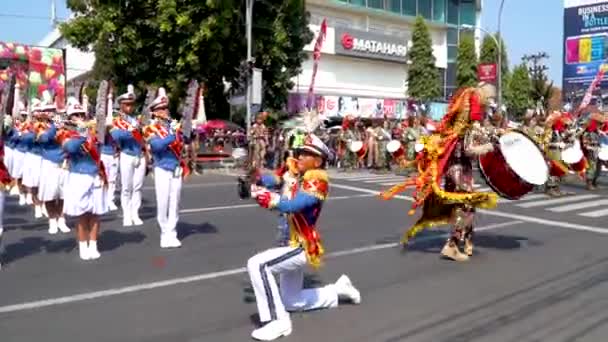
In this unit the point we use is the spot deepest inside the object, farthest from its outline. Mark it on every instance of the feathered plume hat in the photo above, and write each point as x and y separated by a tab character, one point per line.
312	143
128	97
161	101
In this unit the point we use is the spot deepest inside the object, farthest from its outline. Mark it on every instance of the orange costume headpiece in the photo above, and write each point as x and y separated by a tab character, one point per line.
465	109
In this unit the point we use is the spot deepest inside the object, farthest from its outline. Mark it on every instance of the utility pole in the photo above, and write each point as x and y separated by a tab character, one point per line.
538	76
248	16
499	66
53	13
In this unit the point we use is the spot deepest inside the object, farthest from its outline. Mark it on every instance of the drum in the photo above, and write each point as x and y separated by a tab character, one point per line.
395	148
515	166
573	154
358	147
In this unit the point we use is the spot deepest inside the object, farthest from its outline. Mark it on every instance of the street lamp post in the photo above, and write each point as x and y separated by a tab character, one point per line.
248	15
499	67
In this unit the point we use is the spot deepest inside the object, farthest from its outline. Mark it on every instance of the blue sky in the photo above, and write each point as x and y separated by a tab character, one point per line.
528	26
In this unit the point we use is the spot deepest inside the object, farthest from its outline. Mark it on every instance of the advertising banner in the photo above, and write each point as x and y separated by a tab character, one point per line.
486	73
370	45
341	106
585	47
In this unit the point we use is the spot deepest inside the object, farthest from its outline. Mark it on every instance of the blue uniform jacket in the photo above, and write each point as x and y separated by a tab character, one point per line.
80	161
125	140
51	150
163	157
20	144
108	147
27	139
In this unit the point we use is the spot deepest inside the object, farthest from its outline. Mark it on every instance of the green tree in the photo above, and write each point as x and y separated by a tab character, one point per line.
423	78
466	62
542	88
169	42
520	88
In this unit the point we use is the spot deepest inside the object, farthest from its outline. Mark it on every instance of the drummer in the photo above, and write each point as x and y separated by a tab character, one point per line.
555	141
591	146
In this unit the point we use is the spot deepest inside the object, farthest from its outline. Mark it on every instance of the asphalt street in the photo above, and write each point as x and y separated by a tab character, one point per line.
540	272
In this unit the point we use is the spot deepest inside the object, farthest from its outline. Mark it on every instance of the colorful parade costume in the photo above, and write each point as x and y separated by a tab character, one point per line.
302	210
448	156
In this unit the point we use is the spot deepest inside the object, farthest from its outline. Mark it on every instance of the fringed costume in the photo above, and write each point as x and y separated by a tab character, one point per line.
448	156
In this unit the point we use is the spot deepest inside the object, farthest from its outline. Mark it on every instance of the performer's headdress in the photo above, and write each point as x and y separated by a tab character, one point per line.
74	107
312	143
128	97
161	101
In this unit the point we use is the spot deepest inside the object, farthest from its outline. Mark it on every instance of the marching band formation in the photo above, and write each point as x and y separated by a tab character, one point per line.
70	165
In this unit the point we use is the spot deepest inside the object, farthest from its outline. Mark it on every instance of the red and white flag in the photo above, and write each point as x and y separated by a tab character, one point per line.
316	57
594	84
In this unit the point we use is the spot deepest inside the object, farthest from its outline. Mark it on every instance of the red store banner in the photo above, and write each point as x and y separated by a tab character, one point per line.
486	73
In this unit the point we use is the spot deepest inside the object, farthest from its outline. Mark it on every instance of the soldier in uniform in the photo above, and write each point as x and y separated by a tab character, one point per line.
259	139
302	211
555	140
591	146
126	132
412	134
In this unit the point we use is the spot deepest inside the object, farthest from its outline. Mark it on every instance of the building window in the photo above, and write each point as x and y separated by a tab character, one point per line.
452	53
450	75
468	13
453	12
425	8
394	6
408	7
452	36
439	10
357	2
379	4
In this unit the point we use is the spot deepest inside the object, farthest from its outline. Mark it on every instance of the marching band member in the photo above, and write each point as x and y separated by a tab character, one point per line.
17	165
50	191
126	132
32	161
109	156
302	212
556	140
5	181
591	146
86	181
166	145
461	134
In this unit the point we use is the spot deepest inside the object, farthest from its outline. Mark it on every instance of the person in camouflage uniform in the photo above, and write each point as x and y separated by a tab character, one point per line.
259	139
591	146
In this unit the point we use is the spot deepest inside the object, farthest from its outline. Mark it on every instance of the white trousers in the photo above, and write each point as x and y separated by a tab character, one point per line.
289	263
110	164
168	191
132	174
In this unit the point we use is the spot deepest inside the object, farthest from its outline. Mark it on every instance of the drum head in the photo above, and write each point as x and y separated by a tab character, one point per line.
573	154
393	146
356	146
524	157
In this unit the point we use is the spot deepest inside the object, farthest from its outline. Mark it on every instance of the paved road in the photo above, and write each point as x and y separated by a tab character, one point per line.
538	274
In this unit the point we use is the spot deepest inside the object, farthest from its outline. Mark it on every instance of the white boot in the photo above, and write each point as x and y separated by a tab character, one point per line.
273	330
135	217
84	250
63	227
93	252
126	219
53	228
29	200
170	242
22	200
37	211
44	212
346	290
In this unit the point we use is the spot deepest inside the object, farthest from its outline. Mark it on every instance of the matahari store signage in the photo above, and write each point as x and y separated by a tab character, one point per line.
370	45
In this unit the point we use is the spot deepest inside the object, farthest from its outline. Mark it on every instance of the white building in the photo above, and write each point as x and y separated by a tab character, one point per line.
363	69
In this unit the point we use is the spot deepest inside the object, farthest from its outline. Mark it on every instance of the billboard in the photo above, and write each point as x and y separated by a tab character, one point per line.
585	45
36	69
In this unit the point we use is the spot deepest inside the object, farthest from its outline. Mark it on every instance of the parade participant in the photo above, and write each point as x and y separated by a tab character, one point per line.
51	183
86	181
591	146
32	161
346	158
5	181
126	132
448	155
110	157
288	175
555	140
259	139
302	211
19	128
166	145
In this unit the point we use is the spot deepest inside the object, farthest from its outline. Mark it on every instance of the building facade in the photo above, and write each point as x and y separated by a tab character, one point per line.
363	67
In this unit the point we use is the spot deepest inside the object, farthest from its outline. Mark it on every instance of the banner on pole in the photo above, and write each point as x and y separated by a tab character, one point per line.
256	92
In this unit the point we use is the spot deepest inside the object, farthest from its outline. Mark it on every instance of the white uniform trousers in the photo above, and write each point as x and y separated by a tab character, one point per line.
17	164
168	191
8	159
289	263
132	174
110	163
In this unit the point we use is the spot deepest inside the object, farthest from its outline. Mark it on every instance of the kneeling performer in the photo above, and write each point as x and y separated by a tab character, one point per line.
302	211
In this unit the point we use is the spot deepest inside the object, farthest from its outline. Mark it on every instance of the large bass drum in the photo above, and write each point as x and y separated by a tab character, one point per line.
515	166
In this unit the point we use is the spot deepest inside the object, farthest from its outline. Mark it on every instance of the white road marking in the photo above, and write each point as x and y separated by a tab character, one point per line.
578	206
566	199
596	213
498	213
206	276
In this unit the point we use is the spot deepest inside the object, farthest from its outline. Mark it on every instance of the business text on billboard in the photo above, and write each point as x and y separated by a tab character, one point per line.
370	45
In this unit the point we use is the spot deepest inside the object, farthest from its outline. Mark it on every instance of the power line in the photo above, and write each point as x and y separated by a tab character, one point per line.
23	16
